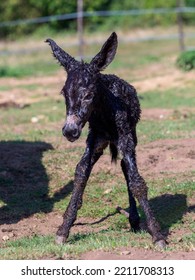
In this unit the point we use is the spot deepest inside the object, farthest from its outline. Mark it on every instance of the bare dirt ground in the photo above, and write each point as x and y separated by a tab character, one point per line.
137	254
158	158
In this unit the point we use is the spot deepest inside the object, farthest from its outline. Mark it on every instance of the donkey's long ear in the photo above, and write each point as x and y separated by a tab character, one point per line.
67	61
106	54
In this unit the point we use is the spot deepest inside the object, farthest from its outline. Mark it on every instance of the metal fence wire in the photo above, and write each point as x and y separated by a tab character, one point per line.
63	17
181	10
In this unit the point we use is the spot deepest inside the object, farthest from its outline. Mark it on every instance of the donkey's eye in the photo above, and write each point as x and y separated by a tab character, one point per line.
87	97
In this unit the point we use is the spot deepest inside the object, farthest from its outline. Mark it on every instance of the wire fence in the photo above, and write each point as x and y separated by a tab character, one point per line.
182	10
74	16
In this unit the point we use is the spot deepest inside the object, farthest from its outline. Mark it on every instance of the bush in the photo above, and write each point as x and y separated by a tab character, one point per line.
6	71
186	60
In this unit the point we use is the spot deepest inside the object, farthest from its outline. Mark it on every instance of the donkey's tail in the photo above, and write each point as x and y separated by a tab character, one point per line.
114	152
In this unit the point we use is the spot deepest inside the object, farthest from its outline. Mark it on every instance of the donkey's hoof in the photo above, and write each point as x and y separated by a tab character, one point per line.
161	244
135	228
60	240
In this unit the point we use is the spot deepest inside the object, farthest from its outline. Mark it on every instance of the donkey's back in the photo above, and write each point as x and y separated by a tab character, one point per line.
126	93
116	108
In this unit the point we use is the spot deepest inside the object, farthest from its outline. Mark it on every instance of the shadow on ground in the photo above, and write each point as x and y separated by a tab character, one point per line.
168	209
24	181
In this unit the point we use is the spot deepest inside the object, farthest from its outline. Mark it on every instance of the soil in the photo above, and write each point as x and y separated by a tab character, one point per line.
163	81
137	254
158	158
167	156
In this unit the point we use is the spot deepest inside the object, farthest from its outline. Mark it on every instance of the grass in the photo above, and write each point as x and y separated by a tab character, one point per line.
117	232
167	129
27	70
37	165
173	98
33	246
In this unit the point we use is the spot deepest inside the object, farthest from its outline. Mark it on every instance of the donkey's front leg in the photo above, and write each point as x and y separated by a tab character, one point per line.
92	154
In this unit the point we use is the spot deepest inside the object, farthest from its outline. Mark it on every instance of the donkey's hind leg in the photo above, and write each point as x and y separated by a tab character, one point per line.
92	153
134	219
138	188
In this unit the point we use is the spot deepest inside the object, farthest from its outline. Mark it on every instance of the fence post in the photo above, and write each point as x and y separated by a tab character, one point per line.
180	4
80	28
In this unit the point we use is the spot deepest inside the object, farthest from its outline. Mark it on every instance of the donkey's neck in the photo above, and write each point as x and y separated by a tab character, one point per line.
102	119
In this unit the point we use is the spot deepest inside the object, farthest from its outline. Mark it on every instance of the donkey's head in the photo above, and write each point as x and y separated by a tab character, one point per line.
80	87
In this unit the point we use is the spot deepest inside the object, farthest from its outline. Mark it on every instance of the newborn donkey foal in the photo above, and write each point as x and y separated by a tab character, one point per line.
111	107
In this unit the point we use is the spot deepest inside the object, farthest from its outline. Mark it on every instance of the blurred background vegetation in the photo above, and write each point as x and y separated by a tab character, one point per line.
11	10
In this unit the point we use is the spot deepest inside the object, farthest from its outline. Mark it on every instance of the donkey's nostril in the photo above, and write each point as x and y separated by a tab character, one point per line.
75	132
70	132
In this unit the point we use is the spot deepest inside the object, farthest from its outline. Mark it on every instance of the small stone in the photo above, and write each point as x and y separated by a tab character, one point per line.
5	237
34	119
107	191
125	253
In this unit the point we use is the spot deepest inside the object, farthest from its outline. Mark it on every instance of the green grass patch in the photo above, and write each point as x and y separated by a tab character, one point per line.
172	98
152	130
47	111
186	60
7	71
43	246
28	69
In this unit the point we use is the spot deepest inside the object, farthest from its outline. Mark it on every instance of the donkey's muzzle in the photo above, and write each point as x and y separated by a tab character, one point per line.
72	128
71	132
